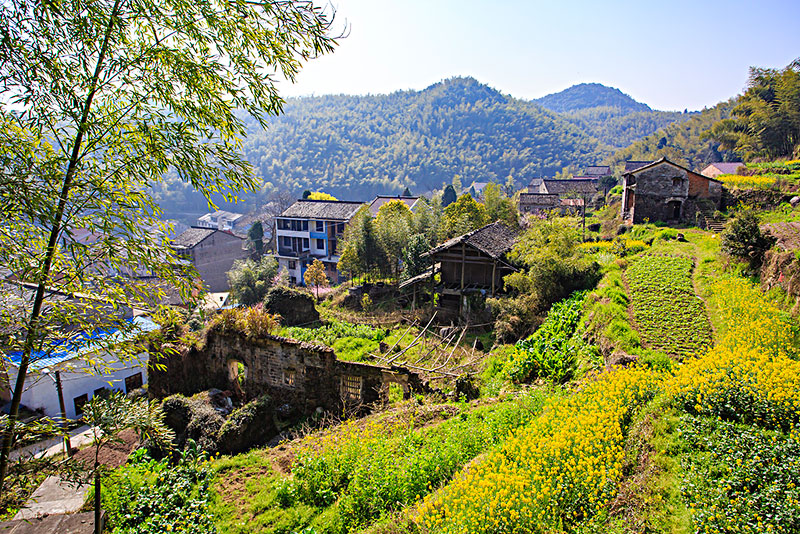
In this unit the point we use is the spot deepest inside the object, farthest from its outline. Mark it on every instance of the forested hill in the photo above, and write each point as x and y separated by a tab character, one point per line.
685	143
357	146
590	95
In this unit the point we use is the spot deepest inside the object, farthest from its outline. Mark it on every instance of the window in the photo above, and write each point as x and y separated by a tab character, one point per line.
133	382
292	264
99	391
305	226
351	387
321	244
287	241
676	182
289	377
305	243
79	401
320	226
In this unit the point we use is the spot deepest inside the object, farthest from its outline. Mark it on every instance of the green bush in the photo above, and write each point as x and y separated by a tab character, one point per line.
552	352
146	496
743	239
247	427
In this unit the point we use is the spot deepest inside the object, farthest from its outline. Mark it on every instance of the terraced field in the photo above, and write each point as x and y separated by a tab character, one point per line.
670	317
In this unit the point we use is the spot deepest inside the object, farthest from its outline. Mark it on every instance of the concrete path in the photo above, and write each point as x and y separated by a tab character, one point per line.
54	496
54	524
78	437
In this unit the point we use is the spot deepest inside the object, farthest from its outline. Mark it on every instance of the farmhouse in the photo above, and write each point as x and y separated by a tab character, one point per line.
726	167
666	191
212	252
472	264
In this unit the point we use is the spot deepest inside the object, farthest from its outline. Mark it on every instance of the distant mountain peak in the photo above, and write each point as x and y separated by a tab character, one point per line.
590	95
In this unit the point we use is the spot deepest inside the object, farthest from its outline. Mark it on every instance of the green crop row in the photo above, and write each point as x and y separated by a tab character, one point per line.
670	317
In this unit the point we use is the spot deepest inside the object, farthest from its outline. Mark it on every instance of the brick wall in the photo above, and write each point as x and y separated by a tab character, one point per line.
302	375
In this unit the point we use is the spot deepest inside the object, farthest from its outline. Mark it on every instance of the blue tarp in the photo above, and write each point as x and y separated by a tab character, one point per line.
84	342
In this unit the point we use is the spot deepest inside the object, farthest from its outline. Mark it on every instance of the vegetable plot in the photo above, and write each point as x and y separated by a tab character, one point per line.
670	317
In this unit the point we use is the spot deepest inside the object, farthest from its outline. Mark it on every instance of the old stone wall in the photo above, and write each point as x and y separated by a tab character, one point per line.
300	375
662	189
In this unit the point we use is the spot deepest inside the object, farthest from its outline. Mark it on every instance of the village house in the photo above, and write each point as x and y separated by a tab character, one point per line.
212	252
540	203
84	366
723	167
665	191
220	220
566	196
309	230
472	264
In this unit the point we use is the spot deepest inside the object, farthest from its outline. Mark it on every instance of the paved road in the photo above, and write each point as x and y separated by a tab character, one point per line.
78	437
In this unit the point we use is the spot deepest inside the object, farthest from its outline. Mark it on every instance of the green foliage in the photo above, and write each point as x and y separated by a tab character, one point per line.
590	95
315	276
250	280
739	478
498	206
350	341
319	195
743	238
463	216
393	227
253	322
146	496
683	142
381	470
255	238
248	426
449	195
766	119
362	252
670	317
414	262
552	352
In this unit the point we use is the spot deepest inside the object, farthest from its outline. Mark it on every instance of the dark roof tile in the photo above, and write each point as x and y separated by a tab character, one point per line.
192	237
493	240
340	210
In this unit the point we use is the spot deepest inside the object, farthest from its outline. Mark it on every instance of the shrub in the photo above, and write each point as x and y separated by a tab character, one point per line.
247	427
743	239
552	351
294	306
253	322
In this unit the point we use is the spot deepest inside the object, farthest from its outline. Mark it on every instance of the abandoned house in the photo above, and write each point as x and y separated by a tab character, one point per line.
472	264
666	191
309	230
212	252
299	375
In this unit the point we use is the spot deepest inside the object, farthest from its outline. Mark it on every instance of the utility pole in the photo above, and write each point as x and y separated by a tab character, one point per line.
67	444
64	427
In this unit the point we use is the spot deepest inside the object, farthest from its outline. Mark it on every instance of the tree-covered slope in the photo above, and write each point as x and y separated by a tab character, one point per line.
357	146
682	142
590	95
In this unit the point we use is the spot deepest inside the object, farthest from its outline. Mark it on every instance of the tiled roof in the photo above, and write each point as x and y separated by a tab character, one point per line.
380	200
598	170
339	210
668	162
633	165
563	187
192	237
493	240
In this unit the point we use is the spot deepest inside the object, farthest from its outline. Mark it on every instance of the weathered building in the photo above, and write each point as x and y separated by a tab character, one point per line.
309	230
575	187
666	191
212	252
301	375
540	203
472	264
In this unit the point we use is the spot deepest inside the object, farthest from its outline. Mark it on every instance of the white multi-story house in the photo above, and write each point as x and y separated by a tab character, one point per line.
309	230
220	220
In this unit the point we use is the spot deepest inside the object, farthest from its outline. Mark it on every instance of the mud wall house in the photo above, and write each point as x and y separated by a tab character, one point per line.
542	203
212	252
87	364
472	264
309	230
301	375
665	191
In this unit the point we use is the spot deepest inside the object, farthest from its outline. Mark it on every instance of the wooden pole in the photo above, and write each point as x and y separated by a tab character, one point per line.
64	427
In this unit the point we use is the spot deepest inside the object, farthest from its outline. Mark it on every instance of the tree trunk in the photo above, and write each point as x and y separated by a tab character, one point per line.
55	230
98	527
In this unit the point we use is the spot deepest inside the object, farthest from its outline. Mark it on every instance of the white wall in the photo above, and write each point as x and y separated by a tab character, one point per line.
77	378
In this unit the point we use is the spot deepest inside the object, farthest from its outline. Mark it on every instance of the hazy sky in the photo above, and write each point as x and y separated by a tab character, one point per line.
670	55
